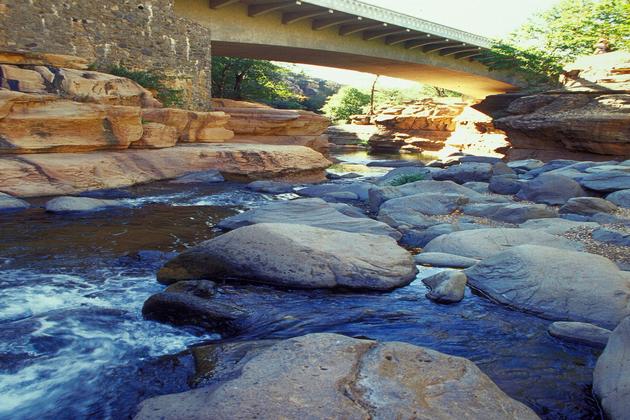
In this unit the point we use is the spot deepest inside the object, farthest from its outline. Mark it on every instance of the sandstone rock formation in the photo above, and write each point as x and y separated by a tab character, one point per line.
257	123
590	117
328	376
299	256
71	173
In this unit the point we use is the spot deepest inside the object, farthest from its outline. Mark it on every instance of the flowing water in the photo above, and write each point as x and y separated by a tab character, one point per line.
73	343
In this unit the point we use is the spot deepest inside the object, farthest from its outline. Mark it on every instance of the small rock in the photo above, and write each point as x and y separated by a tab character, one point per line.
419	238
607	181
8	202
527	164
580	332
439	259
505	184
400	163
480	187
270	187
612	236
501	168
72	204
206	177
341	196
557	226
587	206
447	286
421	173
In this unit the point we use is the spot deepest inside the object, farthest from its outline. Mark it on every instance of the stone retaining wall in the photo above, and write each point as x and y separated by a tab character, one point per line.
137	34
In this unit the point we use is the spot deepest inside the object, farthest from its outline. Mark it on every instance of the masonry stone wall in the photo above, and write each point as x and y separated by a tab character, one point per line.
136	34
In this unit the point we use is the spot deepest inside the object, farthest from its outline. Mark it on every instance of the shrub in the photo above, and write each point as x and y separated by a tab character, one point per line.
348	101
151	81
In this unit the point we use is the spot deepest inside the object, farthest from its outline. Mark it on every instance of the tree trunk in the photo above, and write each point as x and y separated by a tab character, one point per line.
372	94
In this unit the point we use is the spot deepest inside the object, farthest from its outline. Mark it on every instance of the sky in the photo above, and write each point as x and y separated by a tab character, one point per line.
490	18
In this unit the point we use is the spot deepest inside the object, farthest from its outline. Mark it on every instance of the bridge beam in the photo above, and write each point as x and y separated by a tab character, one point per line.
217	4
321	24
468	54
461	49
439	46
346	30
412	45
399	39
255	10
293	17
372	35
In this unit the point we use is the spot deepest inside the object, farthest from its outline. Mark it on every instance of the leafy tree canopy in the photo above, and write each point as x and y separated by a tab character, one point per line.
348	101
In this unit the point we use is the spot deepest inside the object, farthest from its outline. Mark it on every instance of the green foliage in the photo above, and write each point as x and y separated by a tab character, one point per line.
406	179
151	81
558	36
348	101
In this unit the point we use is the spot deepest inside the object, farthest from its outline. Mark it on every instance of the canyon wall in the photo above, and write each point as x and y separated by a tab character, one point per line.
138	35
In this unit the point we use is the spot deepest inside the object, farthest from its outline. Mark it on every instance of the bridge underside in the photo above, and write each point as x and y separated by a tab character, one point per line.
288	31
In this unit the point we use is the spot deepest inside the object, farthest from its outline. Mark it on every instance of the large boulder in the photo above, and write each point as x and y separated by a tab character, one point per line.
296	256
466	172
412	211
580	332
438	187
550	189
45	174
419	238
611	378
484	243
557	226
439	259
446	287
329	376
555	283
191	126
311	212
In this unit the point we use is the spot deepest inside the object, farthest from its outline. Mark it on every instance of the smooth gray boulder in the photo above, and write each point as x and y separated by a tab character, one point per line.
554	283
611	378
419	238
505	184
205	177
446	287
398	174
80	204
349	210
607	168
340	196
500	169
439	187
526	164
330	376
270	187
310	211
580	332
620	198
298	256
8	202
509	213
550	189
377	195
484	243
587	206
359	188
607	181
465	172
429	204
612	236
440	259
480	187
556	225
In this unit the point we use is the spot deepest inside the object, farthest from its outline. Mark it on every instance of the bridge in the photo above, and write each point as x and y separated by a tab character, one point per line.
353	35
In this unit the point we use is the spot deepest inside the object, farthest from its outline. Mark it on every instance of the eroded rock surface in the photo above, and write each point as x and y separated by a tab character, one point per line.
333	376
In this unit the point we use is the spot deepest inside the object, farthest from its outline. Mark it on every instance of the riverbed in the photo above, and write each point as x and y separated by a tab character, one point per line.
74	344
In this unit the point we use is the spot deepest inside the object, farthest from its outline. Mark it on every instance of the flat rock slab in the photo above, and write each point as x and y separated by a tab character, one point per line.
607	181
45	174
329	376
439	259
620	198
580	332
466	172
79	204
311	212
556	225
611	378
556	284
270	187
483	243
587	206
440	187
298	256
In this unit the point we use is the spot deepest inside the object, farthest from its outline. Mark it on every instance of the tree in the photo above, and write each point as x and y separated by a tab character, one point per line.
541	47
257	80
348	101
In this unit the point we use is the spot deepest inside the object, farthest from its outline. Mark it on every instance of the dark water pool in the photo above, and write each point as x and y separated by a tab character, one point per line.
73	343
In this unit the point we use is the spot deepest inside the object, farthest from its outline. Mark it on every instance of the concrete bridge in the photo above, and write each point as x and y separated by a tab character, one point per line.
351	35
